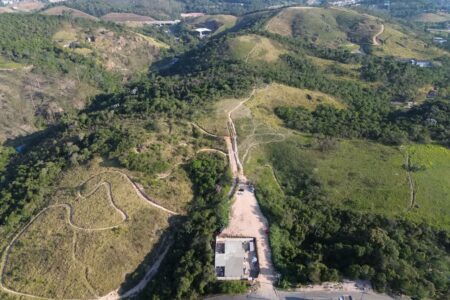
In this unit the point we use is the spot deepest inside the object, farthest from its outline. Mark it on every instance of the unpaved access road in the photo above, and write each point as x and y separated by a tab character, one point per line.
376	36
246	216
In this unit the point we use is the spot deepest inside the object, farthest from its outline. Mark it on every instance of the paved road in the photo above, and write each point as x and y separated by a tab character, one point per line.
318	295
324	295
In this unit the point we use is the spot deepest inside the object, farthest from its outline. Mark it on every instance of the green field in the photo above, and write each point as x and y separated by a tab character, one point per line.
366	176
432	183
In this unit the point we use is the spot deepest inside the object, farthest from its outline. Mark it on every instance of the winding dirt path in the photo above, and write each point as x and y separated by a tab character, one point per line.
377	35
412	186
204	131
114	295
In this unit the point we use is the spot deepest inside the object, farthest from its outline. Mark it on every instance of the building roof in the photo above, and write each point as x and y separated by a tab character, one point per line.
234	257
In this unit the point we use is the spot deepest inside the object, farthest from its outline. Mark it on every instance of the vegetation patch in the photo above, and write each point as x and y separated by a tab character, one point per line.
253	48
438	17
430	171
331	27
395	42
83	257
217	23
265	100
67	11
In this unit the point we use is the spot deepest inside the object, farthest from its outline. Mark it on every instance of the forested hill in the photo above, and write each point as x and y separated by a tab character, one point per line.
50	65
349	144
173	8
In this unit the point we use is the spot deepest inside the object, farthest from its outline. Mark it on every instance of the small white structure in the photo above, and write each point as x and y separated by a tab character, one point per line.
203	32
236	258
439	40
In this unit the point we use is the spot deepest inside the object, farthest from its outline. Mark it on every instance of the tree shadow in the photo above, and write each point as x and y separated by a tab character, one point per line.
133	278
22	143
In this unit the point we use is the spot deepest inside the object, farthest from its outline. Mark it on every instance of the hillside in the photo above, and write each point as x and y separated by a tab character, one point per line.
332	27
350	30
305	131
125	17
217	23
64	10
171	9
70	62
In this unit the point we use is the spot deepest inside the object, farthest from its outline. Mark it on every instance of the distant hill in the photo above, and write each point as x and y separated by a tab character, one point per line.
171	9
332	27
351	30
125	17
60	64
217	23
64	10
433	17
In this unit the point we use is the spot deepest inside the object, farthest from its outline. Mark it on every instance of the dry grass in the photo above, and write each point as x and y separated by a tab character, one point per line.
255	48
267	99
41	264
215	119
394	42
61	10
174	192
66	35
52	259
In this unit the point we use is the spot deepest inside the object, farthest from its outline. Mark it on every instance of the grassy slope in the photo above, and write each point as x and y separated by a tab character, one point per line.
84	261
217	23
331	27
254	48
62	10
341	28
398	42
432	183
27	91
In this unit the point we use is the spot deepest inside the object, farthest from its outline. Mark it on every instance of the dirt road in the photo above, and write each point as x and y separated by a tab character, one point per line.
246	217
376	36
114	295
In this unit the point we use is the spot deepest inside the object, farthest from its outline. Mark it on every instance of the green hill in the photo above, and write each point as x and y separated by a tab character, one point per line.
347	151
347	29
331	27
56	63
